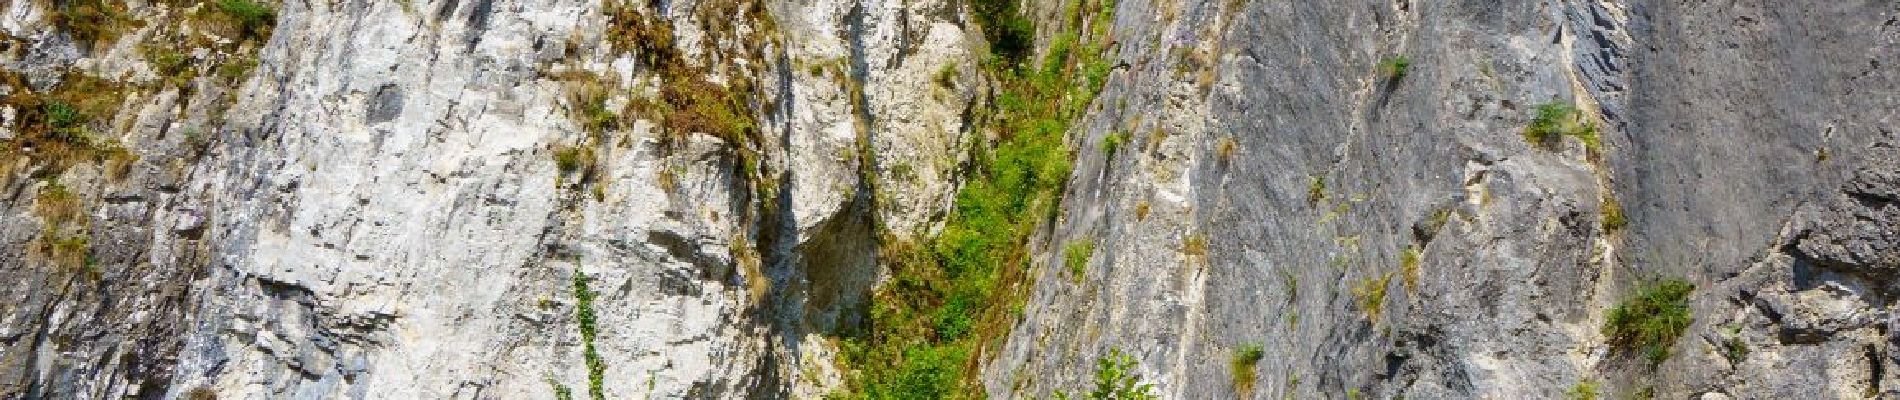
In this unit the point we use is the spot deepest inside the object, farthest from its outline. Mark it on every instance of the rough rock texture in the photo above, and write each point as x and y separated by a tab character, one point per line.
380	213
1281	175
382	207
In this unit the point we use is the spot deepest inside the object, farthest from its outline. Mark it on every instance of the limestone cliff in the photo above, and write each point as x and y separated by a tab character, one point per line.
503	199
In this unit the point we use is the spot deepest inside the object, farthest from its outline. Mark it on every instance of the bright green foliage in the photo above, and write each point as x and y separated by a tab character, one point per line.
1651	320
1115	380
1113	142
1394	68
956	292
63	117
1556	120
573	159
1246	359
1076	257
253	19
1585	390
584	313
561	392
1010	34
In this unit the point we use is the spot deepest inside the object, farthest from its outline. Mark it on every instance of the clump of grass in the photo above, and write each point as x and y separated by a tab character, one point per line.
946	76
1113	142
1408	264
1733	347
1584	390
1316	190
1195	245
251	19
1651	320
1076	257
1556	120
1010	34
92	21
61	125
1394	68
1246	360
171	65
573	159
1613	218
1371	295
1225	148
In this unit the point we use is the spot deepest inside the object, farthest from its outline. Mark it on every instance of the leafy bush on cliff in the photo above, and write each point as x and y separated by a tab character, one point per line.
1651	320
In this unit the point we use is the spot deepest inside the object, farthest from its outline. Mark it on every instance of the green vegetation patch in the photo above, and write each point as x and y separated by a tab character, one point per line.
92	21
957	292
1612	210
1408	265
1115	379
1113	142
1584	390
1371	294
1076	257
1556	120
1394	68
63	126
1246	360
1651	320
250	19
584	315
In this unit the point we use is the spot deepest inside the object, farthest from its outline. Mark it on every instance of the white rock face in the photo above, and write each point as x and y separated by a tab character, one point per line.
382	215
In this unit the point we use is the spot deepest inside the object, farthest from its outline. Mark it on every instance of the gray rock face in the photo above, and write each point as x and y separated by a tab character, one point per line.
1307	173
418	199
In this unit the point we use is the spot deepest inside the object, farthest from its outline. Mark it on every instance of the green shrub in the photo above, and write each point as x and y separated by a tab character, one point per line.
946	76
1584	390
1115	380
1246	360
1371	294
254	20
1076	256
573	159
1613	218
955	293
62	116
1556	120
92	21
1732	345
1010	34
584	314
1113	142
1316	190
1394	68
1651	320
561	392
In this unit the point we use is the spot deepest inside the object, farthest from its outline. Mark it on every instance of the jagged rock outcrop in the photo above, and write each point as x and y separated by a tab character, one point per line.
385	207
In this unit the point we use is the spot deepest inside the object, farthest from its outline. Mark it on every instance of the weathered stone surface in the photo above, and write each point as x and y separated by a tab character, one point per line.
376	209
